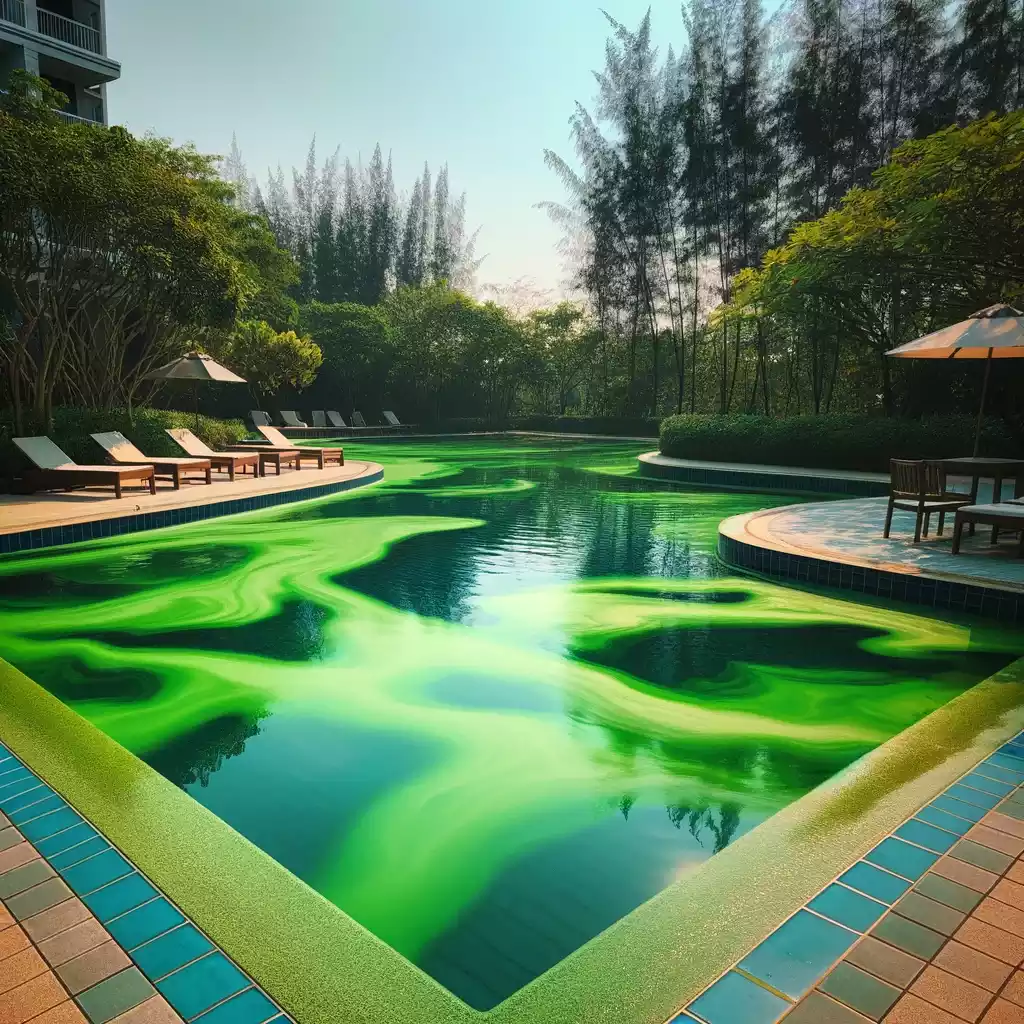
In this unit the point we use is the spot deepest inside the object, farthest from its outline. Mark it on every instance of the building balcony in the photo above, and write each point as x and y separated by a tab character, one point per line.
13	11
56	26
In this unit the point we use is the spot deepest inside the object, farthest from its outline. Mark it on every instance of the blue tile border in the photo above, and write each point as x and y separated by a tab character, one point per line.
130	907
55	536
987	602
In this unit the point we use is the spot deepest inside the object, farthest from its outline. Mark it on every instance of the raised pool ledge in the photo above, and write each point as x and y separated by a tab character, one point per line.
738	476
321	967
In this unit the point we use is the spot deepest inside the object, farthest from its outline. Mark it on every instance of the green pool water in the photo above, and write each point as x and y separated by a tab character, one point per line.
488	707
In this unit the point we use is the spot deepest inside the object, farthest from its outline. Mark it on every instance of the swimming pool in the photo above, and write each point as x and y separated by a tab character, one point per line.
488	707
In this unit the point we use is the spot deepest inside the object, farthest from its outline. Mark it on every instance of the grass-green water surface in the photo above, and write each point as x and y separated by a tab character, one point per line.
488	707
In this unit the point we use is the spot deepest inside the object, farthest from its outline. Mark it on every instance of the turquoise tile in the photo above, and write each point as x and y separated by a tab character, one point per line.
253	1007
27	799
97	872
976	780
203	984
972	796
1010	764
118	898
83	851
848	907
66	839
797	953
15	789
145	923
11	778
943	820
991	771
35	808
734	999
902	858
959	808
931	838
50	824
170	951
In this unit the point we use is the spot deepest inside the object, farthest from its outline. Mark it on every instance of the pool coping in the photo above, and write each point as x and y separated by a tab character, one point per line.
321	966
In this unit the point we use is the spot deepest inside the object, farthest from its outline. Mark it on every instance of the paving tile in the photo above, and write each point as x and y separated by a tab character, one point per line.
972	965
96	872
24	877
991	771
1004	1012
78	939
171	951
91	968
1010	892
207	982
936	916
931	838
901	858
1015	873
912	1009
6	921
33	809
15	856
115	996
253	1007
1004	823
935	887
119	897
12	940
1015	990
158	1011
50	824
9	837
55	920
1009	919
943	819
62	1013
849	908
951	993
860	990
981	856
960	791
966	874
996	840
885	961
1012	809
981	781
66	839
875	882
37	899
815	1009
958	808
145	923
734	998
910	937
31	999
19	968
79	853
993	941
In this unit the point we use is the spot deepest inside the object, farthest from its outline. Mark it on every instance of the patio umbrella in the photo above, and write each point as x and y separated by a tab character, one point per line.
993	333
196	366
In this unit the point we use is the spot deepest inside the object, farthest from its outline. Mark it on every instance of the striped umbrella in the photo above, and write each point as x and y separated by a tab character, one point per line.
996	332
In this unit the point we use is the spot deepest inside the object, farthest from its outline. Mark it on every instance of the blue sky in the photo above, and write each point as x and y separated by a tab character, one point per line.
485	85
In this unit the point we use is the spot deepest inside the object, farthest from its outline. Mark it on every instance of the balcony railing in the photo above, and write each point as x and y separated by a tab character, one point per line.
12	10
75	119
67	31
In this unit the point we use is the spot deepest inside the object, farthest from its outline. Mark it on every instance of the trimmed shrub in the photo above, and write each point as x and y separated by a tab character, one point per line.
832	442
145	427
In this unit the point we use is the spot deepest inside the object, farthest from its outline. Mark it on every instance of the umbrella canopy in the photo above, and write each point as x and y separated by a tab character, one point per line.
195	367
996	332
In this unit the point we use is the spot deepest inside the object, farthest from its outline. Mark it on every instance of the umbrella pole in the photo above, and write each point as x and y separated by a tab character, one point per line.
195	396
981	411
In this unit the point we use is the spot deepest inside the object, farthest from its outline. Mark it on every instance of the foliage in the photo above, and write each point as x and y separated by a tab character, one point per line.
829	442
269	359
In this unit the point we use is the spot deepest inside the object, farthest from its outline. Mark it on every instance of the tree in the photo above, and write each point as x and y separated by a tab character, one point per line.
268	359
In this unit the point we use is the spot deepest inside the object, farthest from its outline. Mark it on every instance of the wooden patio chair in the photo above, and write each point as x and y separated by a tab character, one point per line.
231	461
123	452
920	487
55	470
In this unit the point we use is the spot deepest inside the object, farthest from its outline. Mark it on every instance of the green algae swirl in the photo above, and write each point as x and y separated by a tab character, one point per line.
559	701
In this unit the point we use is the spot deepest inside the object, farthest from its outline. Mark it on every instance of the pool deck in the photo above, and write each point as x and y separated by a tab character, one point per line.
40	520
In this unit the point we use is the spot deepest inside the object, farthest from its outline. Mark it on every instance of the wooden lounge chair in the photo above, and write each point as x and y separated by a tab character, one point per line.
122	451
260	419
920	487
319	419
289	418
336	420
231	461
1006	515
54	470
321	455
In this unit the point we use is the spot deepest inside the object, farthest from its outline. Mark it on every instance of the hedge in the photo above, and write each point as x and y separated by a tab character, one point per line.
145	427
832	442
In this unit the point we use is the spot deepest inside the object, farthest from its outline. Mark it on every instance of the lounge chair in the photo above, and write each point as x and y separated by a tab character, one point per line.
336	420
122	451
55	470
231	461
319	419
290	419
1006	515
321	455
920	487
392	421
358	421
260	419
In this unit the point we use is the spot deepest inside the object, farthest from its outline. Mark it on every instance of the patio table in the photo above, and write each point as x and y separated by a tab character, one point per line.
997	470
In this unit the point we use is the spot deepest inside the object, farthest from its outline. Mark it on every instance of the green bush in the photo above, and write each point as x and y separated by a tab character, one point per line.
832	442
145	427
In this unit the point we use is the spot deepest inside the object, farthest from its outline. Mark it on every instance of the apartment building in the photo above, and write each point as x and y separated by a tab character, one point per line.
63	41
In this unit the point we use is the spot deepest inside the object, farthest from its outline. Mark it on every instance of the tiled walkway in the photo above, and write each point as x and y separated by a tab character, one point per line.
928	928
86	939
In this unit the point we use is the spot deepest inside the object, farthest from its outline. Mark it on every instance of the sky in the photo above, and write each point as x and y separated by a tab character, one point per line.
484	85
